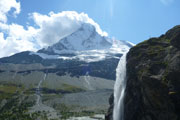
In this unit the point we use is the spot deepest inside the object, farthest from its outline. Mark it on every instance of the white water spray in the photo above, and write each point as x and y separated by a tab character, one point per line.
119	89
87	79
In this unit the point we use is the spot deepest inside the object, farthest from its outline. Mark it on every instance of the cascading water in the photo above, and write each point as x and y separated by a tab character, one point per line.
119	89
87	80
38	94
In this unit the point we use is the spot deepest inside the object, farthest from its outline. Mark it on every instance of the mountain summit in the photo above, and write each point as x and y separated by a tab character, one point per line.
85	38
85	44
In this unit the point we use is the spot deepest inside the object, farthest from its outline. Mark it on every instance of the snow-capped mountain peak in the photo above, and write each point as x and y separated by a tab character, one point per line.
84	44
85	38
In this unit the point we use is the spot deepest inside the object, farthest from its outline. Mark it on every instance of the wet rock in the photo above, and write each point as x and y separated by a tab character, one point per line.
153	81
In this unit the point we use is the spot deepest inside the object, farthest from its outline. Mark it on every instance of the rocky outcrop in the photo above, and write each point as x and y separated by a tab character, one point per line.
109	115
153	81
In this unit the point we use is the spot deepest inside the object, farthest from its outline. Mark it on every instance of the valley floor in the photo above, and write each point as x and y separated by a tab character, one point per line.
86	98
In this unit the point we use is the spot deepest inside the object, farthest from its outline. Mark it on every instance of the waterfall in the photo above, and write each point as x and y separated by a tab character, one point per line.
87	79
119	89
38	91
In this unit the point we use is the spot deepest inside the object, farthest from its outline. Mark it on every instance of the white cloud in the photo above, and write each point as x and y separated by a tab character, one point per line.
17	40
6	6
53	27
167	2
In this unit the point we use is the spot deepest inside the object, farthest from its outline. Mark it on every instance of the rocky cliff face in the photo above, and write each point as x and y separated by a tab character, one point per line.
153	81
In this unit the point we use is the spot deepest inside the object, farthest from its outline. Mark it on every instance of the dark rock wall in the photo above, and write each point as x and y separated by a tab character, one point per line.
109	115
153	79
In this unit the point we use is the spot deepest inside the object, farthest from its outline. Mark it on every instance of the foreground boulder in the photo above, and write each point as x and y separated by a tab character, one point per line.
153	81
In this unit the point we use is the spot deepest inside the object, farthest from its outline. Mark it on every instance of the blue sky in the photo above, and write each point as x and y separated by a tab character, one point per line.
131	20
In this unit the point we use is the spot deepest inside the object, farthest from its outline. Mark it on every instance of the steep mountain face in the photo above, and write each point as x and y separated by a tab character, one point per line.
86	45
153	81
72	76
85	38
